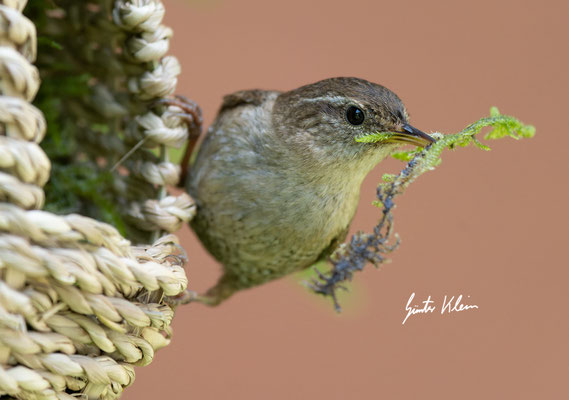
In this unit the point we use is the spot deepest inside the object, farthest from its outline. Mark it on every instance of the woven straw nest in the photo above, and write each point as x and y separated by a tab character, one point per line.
79	305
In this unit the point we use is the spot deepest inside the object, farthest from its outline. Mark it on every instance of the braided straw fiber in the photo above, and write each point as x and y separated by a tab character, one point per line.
80	306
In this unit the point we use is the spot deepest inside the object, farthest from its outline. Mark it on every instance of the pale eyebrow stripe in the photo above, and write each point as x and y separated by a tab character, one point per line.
332	100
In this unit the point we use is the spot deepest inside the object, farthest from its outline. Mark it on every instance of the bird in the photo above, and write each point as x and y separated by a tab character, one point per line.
277	178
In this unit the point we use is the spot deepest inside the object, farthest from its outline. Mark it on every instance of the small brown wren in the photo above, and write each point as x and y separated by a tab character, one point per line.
277	178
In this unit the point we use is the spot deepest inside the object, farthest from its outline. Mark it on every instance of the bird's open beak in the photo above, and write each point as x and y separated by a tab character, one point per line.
411	135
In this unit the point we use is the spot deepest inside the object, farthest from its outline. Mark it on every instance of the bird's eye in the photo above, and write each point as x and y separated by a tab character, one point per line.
355	116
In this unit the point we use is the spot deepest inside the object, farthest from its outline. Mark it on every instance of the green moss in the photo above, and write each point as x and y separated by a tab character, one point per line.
427	159
375	137
83	189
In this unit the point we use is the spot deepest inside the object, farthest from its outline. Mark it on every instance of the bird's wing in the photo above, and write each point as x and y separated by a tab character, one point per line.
254	97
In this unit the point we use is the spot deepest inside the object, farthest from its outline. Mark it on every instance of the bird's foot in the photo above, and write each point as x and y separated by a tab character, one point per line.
191	114
186	297
224	289
190	296
191	111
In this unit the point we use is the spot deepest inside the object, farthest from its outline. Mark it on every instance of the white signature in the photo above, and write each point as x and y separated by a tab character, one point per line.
449	305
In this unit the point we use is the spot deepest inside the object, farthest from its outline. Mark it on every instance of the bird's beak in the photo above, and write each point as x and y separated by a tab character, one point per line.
411	135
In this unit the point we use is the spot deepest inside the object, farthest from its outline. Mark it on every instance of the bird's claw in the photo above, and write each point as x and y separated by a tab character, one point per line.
191	114
189	296
186	297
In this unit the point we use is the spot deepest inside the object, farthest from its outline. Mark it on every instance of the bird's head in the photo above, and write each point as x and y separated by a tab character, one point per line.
325	118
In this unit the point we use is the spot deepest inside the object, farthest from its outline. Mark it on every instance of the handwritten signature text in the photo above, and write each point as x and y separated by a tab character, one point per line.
450	305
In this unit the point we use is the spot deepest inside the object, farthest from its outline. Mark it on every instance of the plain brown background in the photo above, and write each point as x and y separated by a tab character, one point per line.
489	225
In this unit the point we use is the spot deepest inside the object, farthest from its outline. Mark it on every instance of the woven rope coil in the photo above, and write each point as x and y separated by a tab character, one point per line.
80	306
